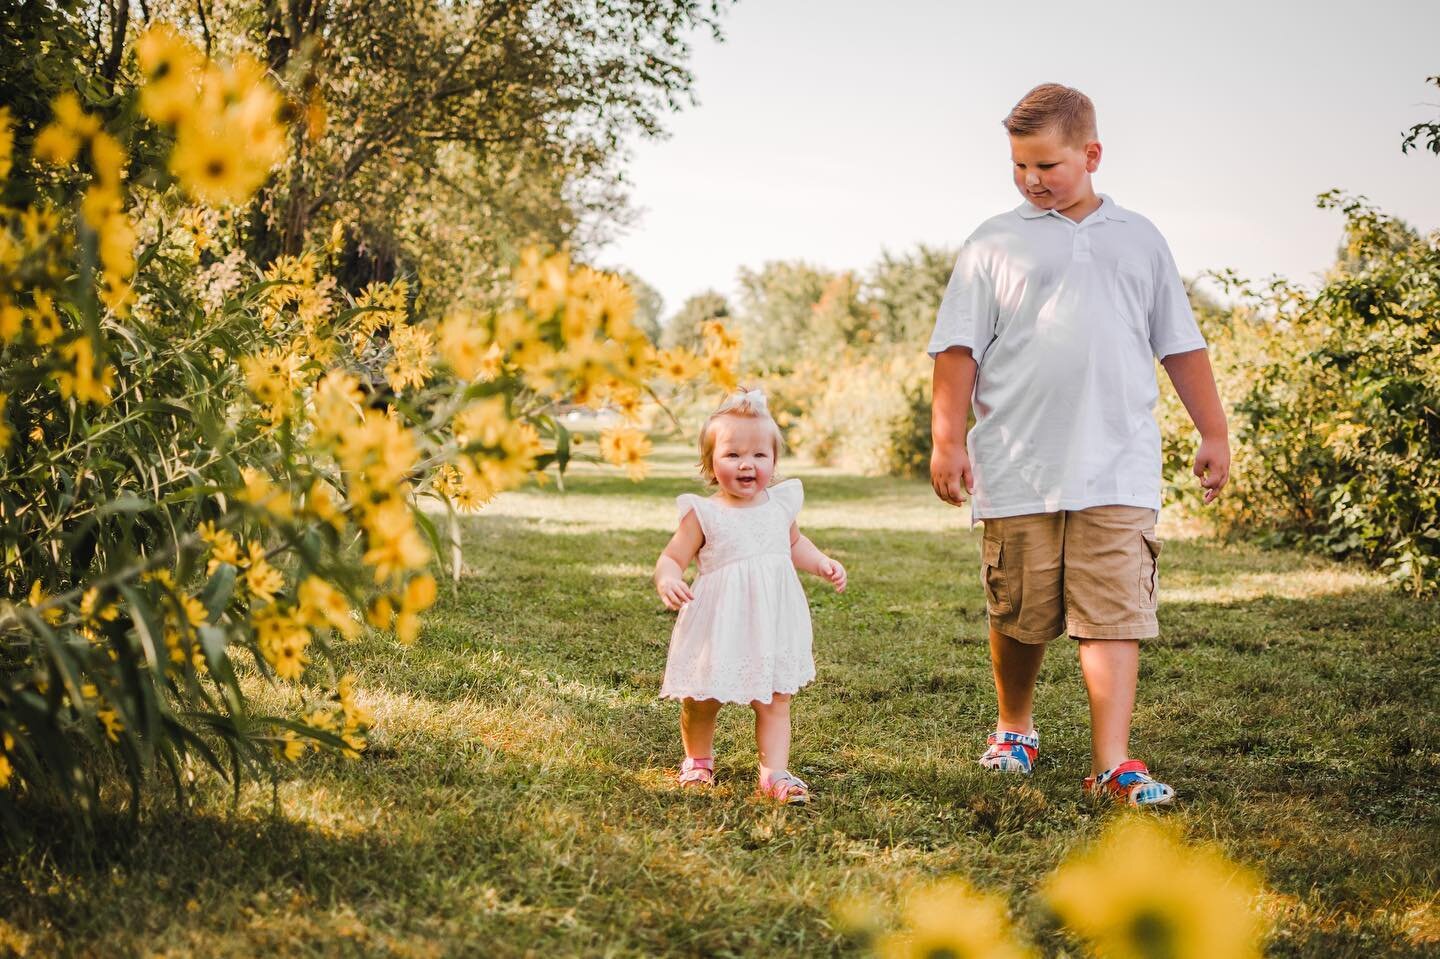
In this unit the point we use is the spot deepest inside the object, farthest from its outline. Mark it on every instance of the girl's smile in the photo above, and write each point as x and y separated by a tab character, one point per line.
744	457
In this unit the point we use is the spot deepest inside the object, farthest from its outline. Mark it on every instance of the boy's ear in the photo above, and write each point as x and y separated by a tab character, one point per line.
1092	156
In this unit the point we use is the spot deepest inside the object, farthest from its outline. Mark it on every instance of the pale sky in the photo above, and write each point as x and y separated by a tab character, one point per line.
830	130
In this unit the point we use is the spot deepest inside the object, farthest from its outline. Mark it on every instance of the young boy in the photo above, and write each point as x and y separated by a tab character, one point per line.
1051	322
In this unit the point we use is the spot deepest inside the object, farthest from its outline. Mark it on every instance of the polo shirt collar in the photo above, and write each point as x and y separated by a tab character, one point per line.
1108	209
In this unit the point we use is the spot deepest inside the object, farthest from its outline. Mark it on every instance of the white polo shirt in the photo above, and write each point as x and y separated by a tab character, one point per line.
1065	321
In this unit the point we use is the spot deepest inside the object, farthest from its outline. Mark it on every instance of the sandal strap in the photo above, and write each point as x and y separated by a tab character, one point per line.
1129	773
706	763
1006	737
785	784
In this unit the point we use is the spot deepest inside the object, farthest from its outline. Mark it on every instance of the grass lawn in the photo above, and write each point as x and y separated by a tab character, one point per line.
518	797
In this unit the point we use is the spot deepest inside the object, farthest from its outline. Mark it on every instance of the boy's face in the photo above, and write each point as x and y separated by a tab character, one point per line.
1052	173
744	457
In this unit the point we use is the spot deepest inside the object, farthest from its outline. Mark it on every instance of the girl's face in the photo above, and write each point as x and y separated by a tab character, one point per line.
744	457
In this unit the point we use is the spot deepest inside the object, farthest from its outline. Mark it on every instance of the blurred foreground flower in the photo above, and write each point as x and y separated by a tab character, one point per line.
1142	893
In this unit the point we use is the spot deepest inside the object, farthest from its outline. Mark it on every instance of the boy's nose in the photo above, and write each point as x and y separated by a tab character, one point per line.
1032	179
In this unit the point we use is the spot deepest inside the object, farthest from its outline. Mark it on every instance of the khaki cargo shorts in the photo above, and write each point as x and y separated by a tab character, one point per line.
1092	573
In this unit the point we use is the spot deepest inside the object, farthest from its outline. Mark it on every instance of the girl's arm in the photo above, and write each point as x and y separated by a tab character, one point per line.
806	556
670	567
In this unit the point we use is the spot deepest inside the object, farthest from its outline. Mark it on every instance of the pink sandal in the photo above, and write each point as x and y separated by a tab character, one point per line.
785	788
699	773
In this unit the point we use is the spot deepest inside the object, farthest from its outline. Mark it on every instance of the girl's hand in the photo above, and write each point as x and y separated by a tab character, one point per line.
832	572
674	593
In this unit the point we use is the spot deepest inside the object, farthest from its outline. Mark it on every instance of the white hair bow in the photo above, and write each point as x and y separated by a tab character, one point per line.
755	398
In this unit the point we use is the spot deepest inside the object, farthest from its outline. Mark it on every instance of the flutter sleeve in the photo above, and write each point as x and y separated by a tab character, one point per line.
791	495
685	503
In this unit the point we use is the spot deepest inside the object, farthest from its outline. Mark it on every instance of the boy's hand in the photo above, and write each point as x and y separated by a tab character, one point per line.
832	572
674	593
950	473
1212	465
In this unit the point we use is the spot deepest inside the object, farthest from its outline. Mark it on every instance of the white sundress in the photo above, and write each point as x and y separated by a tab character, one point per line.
746	634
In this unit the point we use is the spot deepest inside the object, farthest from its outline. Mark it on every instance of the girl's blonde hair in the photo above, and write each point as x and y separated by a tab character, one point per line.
745	403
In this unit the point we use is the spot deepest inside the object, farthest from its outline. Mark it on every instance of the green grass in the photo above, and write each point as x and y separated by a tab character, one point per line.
518	797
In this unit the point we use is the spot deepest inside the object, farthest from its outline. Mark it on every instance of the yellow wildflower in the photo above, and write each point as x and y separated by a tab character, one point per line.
952	919
38	596
282	639
335	405
84	379
223	547
626	447
290	747
680	365
110	719
380	613
6	769
384	305
44	318
1191	902
12	321
395	544
321	604
483	421
271	376
6	433
7	142
419	596
228	144
321	504
170	65
381	448
542	281
261	493
465	346
262	579
411	365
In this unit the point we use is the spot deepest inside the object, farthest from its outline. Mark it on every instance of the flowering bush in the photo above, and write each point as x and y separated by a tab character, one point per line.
212	470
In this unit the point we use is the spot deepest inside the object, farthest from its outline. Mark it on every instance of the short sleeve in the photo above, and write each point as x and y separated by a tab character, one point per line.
1172	322
686	502
968	312
790	495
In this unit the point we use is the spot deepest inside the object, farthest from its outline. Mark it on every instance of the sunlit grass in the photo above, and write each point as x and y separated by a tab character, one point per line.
518	797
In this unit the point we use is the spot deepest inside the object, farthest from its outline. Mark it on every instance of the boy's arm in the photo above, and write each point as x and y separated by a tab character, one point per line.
950	473
670	567
807	557
1195	383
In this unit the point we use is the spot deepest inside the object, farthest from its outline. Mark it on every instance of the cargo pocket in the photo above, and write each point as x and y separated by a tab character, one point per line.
1149	570
997	592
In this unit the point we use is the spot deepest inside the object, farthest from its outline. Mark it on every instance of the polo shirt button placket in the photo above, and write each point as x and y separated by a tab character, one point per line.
1082	245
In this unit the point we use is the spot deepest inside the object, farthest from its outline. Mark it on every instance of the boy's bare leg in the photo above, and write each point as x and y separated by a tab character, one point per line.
1016	667
1111	668
697	727
772	734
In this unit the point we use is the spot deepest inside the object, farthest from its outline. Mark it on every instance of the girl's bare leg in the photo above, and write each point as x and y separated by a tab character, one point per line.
697	727
772	734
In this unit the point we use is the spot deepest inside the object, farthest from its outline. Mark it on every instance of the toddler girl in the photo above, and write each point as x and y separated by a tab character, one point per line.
743	634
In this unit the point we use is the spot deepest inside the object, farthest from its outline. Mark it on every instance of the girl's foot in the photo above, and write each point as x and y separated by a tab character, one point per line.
697	773
1130	783
785	787
1011	752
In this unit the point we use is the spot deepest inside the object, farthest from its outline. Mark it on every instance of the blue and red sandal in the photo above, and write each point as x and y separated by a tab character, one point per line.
1011	752
1130	783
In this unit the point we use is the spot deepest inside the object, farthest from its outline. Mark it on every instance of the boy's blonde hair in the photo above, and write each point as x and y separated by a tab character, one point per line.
1053	106
744	403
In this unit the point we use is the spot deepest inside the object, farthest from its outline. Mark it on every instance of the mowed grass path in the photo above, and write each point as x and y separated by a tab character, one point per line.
518	799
